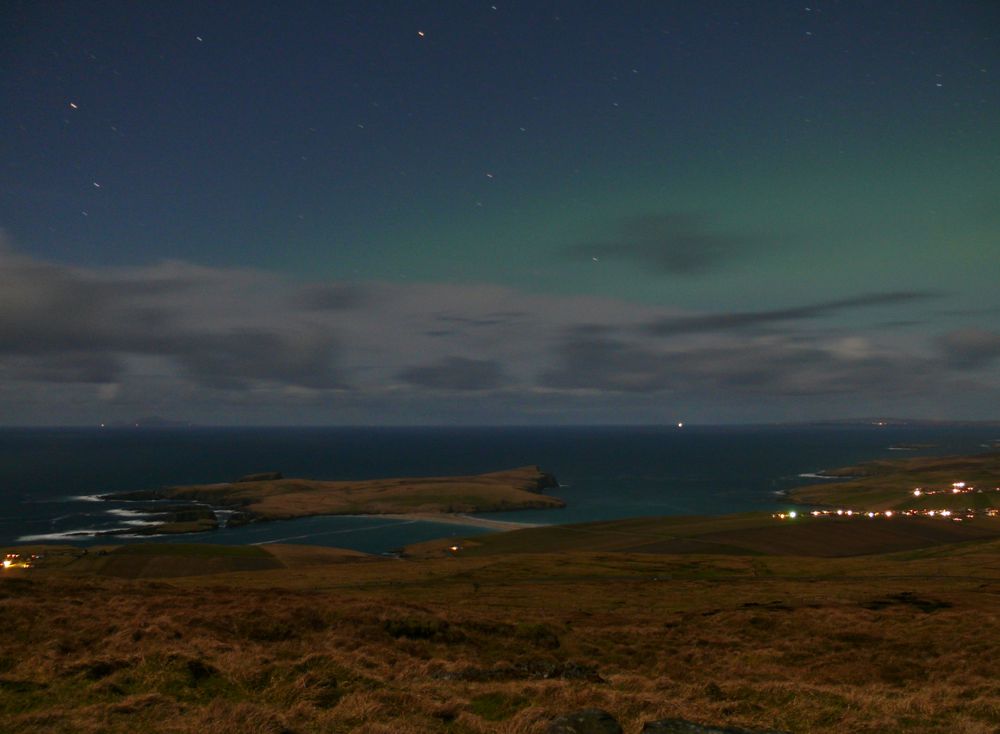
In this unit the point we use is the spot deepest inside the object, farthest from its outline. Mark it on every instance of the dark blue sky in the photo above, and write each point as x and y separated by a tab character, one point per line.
499	212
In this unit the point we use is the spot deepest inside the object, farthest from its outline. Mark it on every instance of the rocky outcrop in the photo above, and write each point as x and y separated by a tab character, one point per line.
546	481
683	726
587	721
172	519
239	518
596	721
142	495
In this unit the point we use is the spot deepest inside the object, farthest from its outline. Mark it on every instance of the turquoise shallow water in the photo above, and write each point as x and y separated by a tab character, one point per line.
49	476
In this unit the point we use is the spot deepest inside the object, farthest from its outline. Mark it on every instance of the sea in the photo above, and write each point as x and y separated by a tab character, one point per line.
50	479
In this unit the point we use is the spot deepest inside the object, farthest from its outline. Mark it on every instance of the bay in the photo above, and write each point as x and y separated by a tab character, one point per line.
49	477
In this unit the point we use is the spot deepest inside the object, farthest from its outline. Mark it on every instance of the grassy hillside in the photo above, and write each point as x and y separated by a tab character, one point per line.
812	624
742	534
906	642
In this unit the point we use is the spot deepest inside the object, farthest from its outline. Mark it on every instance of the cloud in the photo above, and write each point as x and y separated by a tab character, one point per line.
184	326
500	318
225	329
238	359
62	367
778	366
675	244
234	344
970	348
456	373
329	296
750	319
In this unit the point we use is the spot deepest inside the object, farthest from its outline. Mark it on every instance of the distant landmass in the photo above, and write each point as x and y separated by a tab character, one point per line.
885	422
149	421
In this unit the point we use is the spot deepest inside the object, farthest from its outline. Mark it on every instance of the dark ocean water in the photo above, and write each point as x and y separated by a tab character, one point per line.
48	476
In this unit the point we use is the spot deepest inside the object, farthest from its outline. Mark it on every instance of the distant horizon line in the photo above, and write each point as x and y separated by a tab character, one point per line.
877	422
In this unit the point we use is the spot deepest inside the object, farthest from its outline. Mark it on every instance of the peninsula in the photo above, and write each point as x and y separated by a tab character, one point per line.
270	496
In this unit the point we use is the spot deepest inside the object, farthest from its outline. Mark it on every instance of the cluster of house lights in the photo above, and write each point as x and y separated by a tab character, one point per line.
956	515
16	560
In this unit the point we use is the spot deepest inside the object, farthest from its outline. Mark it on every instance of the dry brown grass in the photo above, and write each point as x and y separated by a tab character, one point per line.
504	643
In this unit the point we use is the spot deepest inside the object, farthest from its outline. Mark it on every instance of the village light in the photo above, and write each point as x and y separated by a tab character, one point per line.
957	487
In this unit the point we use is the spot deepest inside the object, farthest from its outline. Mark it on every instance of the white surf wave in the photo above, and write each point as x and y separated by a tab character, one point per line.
65	535
119	512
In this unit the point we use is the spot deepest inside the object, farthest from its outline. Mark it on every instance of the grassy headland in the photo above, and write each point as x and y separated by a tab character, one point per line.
272	497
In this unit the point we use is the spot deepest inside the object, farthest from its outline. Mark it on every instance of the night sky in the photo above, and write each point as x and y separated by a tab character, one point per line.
499	212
